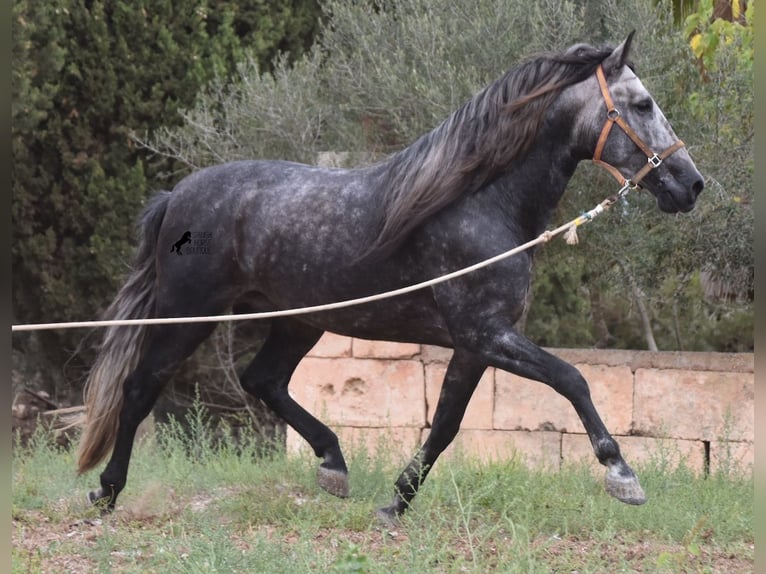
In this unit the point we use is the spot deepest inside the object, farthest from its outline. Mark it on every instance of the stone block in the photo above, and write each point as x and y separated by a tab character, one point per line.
361	392
536	449
384	349
332	345
576	449
522	404
735	458
478	415
433	354
294	443
397	445
699	405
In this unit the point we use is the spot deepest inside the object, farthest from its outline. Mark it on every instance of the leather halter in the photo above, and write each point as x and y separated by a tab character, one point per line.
613	116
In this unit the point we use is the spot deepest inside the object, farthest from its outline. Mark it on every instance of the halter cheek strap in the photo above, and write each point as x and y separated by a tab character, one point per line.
613	116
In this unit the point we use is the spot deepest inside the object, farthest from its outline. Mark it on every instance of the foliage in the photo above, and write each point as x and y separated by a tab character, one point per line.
383	73
469	517
636	254
723	105
380	75
86	76
706	32
92	81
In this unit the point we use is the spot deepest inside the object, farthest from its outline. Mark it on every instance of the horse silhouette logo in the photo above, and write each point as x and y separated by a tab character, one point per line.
185	238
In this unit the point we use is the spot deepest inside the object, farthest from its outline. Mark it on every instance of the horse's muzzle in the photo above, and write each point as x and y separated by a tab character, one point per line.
678	194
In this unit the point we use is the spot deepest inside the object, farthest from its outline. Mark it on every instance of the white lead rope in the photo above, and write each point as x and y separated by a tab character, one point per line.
542	238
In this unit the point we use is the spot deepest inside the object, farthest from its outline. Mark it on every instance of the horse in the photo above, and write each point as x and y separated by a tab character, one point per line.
287	235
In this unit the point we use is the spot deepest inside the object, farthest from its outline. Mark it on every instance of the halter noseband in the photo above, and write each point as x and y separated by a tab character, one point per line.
613	116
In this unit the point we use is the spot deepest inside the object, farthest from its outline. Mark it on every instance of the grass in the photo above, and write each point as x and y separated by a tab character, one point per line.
193	505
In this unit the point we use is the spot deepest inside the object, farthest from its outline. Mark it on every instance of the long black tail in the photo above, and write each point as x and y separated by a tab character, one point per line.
121	347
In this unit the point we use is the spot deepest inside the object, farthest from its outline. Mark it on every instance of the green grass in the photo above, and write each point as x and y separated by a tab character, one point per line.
193	505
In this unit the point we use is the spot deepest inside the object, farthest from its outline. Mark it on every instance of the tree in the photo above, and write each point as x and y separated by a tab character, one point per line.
87	75
383	73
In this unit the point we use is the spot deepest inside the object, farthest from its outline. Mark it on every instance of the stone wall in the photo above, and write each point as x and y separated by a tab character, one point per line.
699	406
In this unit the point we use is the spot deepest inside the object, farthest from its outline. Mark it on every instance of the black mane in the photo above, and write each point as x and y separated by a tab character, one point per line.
476	142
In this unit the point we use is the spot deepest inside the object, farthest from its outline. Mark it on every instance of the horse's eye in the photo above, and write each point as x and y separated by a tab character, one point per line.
644	106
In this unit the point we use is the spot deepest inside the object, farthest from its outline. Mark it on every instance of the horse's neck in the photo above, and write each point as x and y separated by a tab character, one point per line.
531	189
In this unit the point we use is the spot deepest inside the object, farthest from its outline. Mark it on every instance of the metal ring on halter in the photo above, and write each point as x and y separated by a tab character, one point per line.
626	187
613	116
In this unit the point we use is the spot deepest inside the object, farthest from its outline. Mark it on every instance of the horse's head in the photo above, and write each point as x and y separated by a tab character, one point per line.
627	133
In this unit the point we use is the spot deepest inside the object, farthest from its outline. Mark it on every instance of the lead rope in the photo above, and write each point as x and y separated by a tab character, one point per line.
569	228
570	236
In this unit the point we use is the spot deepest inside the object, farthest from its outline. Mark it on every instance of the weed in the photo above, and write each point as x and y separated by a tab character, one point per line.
351	559
206	504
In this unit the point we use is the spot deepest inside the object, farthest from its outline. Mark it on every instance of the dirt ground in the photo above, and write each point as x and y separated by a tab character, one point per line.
33	531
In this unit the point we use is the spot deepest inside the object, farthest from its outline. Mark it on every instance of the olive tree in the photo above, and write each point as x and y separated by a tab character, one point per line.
382	73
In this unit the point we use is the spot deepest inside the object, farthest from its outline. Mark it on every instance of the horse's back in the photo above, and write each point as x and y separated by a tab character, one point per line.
263	220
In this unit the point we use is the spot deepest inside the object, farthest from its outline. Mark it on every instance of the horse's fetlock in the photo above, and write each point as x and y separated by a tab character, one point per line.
607	451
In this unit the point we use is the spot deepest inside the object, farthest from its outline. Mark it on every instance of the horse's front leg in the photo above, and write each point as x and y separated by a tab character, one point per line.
463	374
504	348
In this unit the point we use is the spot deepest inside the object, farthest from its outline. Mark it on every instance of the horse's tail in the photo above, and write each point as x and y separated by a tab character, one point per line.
121	347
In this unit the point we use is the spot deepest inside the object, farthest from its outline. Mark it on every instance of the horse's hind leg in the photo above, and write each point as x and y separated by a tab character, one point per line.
165	348
463	374
267	378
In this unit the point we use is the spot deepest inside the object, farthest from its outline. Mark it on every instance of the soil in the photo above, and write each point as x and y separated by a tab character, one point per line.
32	530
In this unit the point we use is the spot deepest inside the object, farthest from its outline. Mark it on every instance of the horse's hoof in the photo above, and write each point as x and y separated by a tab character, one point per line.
100	500
95	497
333	481
625	488
387	517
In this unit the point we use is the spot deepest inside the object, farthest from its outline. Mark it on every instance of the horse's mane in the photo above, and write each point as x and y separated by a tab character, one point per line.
470	148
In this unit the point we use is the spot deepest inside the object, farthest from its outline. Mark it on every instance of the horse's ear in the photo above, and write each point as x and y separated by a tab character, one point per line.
619	56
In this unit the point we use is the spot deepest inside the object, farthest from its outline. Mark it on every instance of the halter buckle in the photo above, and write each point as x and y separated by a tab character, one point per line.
613	116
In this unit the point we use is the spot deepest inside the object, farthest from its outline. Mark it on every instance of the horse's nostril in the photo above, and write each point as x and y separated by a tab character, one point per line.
698	186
